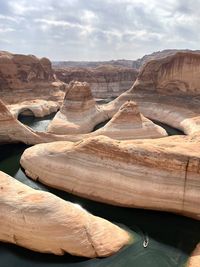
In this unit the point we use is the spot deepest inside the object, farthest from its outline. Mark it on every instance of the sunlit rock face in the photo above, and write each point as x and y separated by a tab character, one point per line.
106	81
167	90
178	75
25	77
42	222
158	174
128	123
79	112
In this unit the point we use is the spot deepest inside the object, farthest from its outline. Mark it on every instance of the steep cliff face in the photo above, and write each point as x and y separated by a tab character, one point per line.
27	77
178	75
105	81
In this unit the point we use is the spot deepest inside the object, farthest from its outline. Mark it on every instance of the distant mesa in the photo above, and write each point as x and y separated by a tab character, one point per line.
106	81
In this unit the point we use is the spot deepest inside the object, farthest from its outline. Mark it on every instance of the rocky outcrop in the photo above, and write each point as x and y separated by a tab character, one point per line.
158	174
42	222
12	130
79	112
27	78
38	108
139	63
105	81
128	123
167	90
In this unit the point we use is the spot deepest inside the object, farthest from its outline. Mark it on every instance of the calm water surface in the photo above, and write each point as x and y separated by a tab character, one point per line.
171	237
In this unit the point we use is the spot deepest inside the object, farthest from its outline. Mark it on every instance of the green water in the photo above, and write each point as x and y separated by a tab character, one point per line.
171	237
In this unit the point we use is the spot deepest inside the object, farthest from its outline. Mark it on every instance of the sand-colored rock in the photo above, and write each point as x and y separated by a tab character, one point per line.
106	81
12	130
25	78
79	112
194	260
37	108
127	124
158	174
42	222
167	90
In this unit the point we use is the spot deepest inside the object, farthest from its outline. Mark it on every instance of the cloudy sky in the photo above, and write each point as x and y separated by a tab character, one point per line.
98	29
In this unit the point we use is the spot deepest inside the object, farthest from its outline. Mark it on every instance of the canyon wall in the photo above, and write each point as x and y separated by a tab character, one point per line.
105	81
178	74
25	77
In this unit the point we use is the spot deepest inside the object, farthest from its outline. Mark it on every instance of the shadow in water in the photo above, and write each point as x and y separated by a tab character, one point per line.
37	124
171	237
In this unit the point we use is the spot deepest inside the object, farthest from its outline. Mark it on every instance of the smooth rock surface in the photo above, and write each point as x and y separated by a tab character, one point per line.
158	174
127	124
42	222
79	112
167	90
38	108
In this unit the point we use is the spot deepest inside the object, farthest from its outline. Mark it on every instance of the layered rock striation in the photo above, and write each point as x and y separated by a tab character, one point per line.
79	112
37	108
128	123
157	174
28	78
167	90
42	222
106	81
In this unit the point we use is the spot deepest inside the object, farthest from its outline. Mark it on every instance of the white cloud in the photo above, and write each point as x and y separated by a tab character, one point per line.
99	29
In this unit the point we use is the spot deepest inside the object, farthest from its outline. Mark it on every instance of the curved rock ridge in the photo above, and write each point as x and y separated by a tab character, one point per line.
79	112
167	90
12	130
106	81
25	77
42	222
178	74
38	108
158	174
129	123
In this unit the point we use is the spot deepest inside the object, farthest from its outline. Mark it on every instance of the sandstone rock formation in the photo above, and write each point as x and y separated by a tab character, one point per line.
105	81
38	108
42	222
128	123
167	90
12	130
158	174
139	63
79	112
27	78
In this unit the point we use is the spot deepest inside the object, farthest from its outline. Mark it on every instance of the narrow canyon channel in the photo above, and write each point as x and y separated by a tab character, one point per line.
170	238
